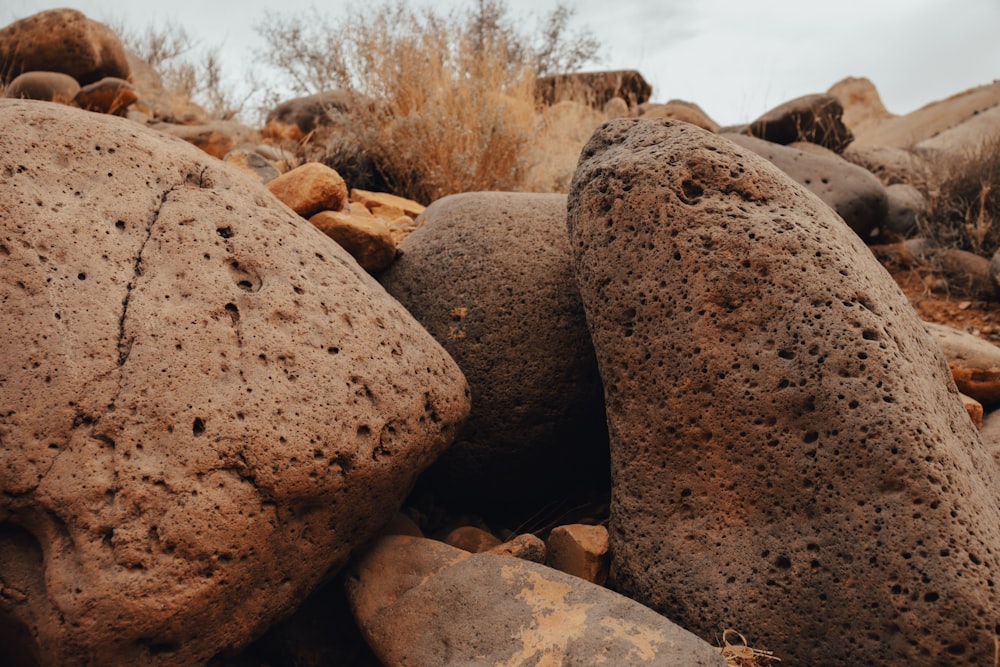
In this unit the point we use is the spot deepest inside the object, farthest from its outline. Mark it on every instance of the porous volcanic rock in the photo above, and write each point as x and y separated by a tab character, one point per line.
790	456
61	40
423	603
206	403
855	194
489	275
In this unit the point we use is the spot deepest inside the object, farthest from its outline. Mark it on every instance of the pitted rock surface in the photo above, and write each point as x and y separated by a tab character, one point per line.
61	40
855	194
789	454
489	275
206	404
423	603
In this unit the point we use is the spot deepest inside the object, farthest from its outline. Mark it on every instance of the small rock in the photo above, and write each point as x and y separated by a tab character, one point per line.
580	550
974	362
253	163
975	410
366	238
402	524
907	207
386	206
472	539
44	86
526	546
679	110
110	95
310	188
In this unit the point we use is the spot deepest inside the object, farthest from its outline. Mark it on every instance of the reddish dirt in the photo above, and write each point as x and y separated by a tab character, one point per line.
934	304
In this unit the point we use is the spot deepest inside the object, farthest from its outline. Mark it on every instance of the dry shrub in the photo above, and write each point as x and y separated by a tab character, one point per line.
443	103
965	206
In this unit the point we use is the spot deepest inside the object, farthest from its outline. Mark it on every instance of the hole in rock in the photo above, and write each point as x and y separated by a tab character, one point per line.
199	426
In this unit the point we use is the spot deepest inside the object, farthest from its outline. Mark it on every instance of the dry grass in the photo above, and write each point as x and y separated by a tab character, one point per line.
966	204
742	655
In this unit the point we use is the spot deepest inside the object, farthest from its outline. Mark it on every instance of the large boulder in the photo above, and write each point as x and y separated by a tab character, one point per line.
489	275
854	193
790	456
61	40
206	403
422	603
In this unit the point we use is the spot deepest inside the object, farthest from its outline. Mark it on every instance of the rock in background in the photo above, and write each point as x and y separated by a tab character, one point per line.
206	403
789	454
489	275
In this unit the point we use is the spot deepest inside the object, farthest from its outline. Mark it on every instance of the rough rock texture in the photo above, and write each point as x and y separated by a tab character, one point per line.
812	118
489	275
206	405
854	193
61	40
580	550
424	603
789	454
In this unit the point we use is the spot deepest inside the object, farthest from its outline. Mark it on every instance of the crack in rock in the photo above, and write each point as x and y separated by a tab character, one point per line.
125	345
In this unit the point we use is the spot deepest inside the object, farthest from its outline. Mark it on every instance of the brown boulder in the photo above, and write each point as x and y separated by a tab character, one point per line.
974	363
679	110
207	405
812	118
790	456
61	40
365	237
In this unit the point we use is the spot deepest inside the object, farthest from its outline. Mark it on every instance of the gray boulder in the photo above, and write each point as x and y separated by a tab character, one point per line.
853	192
790	456
423	603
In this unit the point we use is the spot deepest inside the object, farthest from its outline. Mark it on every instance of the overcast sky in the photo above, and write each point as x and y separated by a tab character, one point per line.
735	58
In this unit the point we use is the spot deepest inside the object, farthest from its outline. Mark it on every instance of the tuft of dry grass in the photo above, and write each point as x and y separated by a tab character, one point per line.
742	655
965	207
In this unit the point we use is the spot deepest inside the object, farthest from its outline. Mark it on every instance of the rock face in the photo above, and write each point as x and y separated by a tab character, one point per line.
489	275
206	404
424	603
61	40
789	454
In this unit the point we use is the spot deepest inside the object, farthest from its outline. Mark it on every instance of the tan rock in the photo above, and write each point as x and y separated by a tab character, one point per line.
252	162
110	95
526	546
421	603
385	205
472	539
310	188
860	100
45	86
679	110
974	362
580	550
366	238
975	410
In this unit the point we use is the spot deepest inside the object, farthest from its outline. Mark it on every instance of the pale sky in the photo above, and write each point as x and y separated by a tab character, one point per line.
734	58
